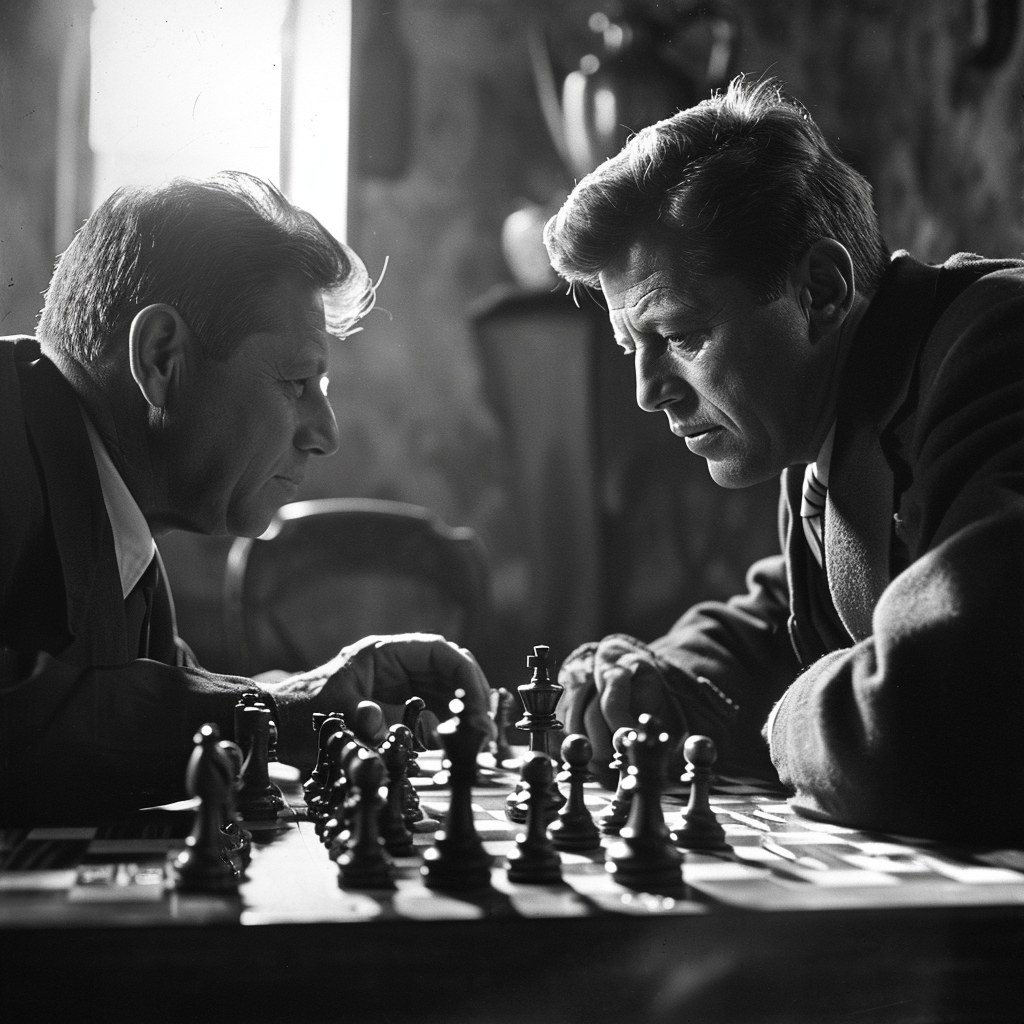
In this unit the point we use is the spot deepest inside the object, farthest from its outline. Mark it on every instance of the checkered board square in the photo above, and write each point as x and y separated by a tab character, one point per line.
778	861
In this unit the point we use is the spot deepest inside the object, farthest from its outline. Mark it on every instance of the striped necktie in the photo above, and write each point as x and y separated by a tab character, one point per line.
812	512
138	607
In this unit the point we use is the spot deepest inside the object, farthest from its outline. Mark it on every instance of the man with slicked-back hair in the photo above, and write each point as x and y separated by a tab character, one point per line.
876	665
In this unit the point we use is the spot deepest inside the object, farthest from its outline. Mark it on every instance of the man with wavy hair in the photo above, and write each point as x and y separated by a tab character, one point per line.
876	664
178	381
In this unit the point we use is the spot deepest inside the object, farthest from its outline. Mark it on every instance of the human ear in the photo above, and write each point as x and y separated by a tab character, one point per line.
158	340
826	286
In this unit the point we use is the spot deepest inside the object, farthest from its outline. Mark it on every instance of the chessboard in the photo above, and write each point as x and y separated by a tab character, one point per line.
777	861
796	923
341	896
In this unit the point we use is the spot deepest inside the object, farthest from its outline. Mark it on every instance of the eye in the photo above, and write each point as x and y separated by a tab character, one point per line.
298	387
692	341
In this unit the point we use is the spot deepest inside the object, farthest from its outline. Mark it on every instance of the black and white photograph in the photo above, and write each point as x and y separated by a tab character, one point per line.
369	653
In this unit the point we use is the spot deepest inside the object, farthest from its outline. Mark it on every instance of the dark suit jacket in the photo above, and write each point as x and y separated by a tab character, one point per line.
87	727
901	668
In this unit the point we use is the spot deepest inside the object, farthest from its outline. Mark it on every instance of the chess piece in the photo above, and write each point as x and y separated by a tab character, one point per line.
337	830
325	726
574	828
258	798
320	807
458	861
644	857
540	698
394	752
412	813
331	818
364	863
699	828
202	865
255	699
236	839
535	860
502	723
617	812
414	707
368	724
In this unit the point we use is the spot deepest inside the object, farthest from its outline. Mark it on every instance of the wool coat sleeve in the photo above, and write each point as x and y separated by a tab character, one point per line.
917	728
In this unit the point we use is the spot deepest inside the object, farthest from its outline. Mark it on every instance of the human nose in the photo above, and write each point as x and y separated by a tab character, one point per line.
318	431
657	382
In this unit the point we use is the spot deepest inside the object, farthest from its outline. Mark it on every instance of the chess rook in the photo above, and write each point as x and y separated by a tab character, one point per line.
698	827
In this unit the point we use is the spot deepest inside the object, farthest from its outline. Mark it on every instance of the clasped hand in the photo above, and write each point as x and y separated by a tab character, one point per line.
387	670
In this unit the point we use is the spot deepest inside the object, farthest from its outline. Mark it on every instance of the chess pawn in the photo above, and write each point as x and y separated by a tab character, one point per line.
502	722
698	827
202	865
368	723
258	798
394	752
574	828
458	861
535	860
617	812
644	857
365	864
540	698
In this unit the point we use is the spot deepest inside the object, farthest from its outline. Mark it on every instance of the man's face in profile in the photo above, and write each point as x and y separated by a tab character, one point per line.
248	424
738	380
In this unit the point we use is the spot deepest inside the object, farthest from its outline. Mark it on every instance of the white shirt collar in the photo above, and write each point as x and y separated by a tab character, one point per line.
824	459
133	540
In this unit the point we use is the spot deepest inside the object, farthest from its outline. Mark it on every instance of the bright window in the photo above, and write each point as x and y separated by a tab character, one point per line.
195	86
